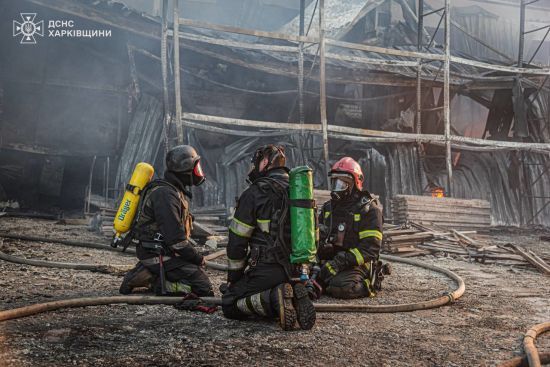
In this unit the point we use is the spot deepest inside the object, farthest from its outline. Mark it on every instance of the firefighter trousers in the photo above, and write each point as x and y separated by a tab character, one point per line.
185	278
350	283
261	278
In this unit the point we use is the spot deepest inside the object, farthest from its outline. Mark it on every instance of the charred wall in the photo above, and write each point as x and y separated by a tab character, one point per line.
64	101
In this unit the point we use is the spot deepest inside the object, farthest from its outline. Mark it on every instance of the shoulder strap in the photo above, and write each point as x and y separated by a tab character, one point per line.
327	209
274	188
274	185
361	206
278	246
364	202
147	190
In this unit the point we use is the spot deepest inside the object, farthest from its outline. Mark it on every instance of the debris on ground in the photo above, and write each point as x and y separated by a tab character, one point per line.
483	327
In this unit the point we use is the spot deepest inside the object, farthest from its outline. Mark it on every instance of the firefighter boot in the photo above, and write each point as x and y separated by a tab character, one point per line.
282	297
304	307
272	304
139	276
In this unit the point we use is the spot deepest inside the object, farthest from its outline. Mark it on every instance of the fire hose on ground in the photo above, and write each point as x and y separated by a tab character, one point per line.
532	358
320	307
100	268
529	343
524	362
95	245
109	269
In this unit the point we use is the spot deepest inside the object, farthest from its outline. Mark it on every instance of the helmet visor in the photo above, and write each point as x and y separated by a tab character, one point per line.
337	184
198	174
197	170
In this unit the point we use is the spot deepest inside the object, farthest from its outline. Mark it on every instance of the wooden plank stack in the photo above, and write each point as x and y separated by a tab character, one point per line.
409	240
404	241
210	226
212	218
448	213
416	239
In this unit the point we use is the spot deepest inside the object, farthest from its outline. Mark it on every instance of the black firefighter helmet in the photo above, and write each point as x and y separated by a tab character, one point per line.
184	162
275	156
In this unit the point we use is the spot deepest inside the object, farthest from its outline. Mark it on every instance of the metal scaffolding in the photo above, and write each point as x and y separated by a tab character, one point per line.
546	168
448	140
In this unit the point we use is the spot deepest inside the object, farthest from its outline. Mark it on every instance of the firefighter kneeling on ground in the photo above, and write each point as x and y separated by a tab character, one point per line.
350	235
258	251
168	262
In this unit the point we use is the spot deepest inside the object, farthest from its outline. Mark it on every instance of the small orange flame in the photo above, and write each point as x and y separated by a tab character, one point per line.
438	192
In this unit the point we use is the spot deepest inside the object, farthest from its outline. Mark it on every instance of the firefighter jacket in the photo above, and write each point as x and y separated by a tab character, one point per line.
260	229
163	217
351	232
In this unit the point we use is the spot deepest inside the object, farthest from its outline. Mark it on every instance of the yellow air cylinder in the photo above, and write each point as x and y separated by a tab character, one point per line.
143	173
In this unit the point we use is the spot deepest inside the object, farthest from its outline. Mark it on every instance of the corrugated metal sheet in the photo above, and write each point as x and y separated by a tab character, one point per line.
143	138
339	15
227	168
502	178
506	182
497	32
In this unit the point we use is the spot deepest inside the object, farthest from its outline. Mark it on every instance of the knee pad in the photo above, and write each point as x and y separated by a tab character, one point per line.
138	277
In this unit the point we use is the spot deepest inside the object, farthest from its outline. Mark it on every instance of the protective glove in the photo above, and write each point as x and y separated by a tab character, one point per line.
192	302
224	287
314	289
326	251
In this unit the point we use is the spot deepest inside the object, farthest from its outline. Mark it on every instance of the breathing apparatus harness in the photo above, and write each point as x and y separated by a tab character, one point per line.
277	248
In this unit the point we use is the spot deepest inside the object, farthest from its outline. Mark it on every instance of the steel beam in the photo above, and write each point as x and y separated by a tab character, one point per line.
164	72
323	87
177	80
446	97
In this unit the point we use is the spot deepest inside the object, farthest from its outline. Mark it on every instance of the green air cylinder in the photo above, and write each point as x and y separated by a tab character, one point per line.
302	216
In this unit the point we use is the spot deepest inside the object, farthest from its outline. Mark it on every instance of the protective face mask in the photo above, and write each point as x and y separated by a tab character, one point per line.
339	188
198	175
338	185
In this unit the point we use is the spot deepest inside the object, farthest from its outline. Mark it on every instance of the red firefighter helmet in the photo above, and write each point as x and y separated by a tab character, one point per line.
348	165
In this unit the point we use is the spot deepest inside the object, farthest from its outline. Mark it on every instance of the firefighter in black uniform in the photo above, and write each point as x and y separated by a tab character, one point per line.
351	235
168	262
259	249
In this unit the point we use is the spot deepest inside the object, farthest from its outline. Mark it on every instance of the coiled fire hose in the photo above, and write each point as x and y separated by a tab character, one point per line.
320	307
532	357
524	362
529	343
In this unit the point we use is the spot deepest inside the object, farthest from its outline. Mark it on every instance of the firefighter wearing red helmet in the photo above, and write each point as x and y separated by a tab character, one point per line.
351	235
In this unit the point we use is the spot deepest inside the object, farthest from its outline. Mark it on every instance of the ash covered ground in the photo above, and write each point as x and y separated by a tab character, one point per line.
482	328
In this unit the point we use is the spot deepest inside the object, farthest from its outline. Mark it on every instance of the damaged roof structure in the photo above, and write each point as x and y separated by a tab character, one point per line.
466	110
